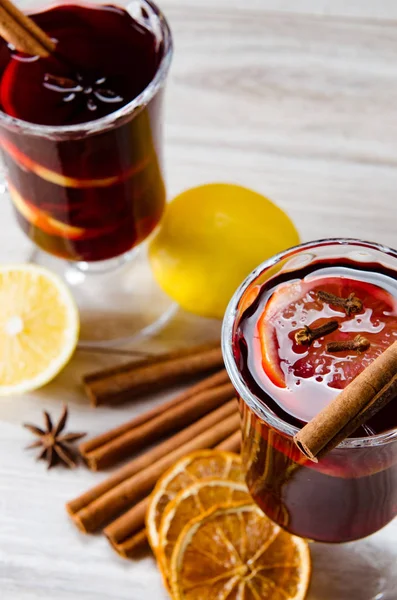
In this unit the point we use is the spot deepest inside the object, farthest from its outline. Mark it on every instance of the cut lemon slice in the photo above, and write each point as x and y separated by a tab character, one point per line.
188	504
188	470
236	552
39	326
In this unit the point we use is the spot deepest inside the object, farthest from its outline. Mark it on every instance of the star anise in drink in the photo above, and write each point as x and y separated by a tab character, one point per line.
81	89
54	444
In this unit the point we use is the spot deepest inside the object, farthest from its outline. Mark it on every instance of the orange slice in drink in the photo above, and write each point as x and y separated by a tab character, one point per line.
235	552
42	220
188	470
284	297
27	163
190	503
292	306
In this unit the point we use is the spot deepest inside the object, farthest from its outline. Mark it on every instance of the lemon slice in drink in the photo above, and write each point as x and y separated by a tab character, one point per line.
39	326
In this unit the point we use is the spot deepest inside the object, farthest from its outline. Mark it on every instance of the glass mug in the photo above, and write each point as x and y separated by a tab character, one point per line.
92	192
352	491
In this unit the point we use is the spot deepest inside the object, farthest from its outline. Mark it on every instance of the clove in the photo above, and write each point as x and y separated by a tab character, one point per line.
351	304
358	344
307	335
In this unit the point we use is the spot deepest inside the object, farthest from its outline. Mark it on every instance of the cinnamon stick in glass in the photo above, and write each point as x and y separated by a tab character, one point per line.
365	395
119	384
107	500
22	32
174	418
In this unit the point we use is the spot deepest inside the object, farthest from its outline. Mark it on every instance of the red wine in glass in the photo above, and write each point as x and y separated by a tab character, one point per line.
82	191
351	492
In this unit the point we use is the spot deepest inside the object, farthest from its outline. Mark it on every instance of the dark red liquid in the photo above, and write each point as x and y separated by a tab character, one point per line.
85	196
351	492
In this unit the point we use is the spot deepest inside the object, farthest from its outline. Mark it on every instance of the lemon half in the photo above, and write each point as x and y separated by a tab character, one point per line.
39	327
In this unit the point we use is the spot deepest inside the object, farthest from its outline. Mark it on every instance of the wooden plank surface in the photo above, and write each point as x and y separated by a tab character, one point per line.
299	101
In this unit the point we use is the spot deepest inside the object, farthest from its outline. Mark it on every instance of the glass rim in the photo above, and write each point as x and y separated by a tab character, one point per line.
260	408
118	116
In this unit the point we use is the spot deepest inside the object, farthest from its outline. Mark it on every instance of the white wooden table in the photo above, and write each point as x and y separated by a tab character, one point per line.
297	100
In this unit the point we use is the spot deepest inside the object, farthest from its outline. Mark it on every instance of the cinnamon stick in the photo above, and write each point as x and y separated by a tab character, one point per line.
104	502
22	32
379	401
183	413
132	547
232	443
121	531
104	438
126	526
368	393
174	418
156	453
129	380
133	489
148	359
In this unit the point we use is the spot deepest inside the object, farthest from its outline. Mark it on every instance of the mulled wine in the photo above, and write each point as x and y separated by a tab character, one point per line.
86	183
286	371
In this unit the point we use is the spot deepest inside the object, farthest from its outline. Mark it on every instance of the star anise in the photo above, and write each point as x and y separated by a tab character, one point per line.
54	443
93	92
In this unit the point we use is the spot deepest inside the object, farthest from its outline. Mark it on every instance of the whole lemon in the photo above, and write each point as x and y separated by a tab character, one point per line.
210	239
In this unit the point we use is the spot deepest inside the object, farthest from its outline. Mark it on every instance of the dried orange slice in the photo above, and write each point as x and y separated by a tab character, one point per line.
235	552
188	504
189	469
